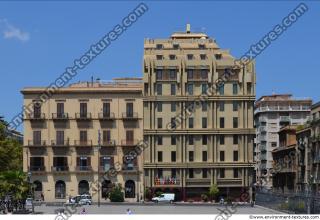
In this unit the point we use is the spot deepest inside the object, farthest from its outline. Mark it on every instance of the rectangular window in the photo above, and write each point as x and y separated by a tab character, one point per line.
106	109
159	46
222	155
190	171
173	123
60	137
204	74
221	89
221	106
222	172
221	122
37	110
190	89
129	109
202	46
159	156
204	88
190	122
203	56
190	139
191	156
175	46
190	56
106	136
83	136
172	57
249	88
159	57
204	122
204	156
221	139
235	139
173	106
159	106
235	122
204	173
204	106
173	74
129	136
204	139
159	89
235	155
159	122
36	137
218	56
159	74
173	173
173	89
190	74
235	106
159	173
60	110
234	88
83	110
173	156
173	140
235	173
159	140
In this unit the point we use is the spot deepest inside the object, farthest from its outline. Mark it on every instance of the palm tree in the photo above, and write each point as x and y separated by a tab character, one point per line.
14	183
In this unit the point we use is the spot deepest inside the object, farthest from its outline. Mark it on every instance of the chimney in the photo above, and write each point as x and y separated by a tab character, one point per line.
188	28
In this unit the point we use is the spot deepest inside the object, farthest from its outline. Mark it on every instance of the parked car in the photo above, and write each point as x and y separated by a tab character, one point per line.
165	197
29	204
84	199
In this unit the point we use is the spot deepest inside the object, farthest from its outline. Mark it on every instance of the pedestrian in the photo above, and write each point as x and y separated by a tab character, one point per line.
83	211
129	212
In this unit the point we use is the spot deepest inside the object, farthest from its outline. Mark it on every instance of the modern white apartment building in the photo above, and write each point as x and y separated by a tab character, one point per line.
272	113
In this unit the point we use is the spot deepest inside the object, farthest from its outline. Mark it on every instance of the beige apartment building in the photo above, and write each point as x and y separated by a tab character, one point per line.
213	144
61	139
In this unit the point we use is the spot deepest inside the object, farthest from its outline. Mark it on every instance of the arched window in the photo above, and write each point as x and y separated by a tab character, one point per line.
106	187
130	189
83	187
60	190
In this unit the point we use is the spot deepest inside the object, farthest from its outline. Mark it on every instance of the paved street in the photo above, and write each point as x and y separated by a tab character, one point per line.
160	209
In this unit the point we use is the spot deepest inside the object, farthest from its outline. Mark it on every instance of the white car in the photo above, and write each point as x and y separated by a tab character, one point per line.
80	199
165	197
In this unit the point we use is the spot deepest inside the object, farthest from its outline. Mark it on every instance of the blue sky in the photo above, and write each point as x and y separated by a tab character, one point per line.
39	40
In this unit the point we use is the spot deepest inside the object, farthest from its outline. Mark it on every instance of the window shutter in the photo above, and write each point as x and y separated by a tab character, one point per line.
78	161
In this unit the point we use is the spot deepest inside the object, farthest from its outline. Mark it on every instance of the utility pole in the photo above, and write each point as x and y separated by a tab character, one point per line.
99	147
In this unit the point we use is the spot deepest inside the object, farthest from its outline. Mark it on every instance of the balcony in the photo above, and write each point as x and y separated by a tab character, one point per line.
60	116
198	182
83	116
166	181
130	116
263	157
59	143
282	108
196	77
36	143
83	169
263	138
262	129
103	169
108	143
263	147
106	116
80	143
35	116
128	168
284	118
37	168
59	169
129	142
229	182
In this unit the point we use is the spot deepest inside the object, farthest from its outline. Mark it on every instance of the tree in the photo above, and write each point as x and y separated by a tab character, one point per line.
116	194
10	151
213	191
14	183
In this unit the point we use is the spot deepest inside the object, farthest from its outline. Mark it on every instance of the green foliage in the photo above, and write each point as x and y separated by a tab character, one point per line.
213	191
10	151
204	197
116	194
159	193
14	183
147	193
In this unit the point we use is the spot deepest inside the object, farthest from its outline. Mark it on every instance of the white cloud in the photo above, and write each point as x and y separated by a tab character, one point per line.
11	32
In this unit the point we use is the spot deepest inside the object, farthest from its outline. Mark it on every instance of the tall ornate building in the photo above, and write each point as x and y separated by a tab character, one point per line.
196	142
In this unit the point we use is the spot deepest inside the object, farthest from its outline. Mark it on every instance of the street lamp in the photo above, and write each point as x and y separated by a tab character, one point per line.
309	192
30	189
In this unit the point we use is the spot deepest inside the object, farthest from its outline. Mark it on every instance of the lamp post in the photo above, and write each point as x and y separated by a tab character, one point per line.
30	189
99	147
309	193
